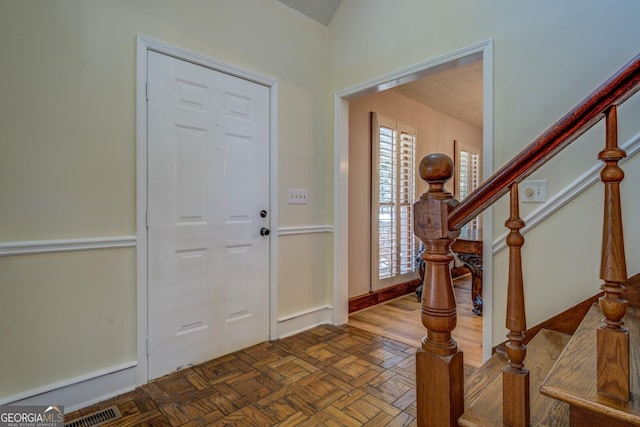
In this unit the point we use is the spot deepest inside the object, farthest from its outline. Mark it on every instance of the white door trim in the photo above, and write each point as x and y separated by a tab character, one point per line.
483	50
145	44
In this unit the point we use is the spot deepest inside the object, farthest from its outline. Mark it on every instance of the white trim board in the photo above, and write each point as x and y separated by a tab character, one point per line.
566	195
308	229
89	388
30	247
304	320
482	50
145	44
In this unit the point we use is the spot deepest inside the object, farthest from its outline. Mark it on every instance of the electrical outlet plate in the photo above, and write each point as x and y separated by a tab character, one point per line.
533	191
298	196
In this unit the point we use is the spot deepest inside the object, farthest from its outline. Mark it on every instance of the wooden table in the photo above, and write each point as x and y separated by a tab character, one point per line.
468	248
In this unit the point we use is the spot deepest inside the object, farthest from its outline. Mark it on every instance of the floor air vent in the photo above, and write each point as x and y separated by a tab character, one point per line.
97	418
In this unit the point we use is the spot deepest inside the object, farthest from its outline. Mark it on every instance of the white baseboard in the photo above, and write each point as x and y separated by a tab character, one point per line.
79	393
302	321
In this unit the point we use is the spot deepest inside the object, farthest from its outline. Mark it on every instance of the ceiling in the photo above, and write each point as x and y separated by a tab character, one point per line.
318	10
455	91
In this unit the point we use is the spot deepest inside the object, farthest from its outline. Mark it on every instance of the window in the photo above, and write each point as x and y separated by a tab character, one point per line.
467	174
393	190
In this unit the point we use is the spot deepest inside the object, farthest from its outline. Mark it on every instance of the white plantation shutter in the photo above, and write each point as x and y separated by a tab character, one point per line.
393	190
468	174
386	188
407	190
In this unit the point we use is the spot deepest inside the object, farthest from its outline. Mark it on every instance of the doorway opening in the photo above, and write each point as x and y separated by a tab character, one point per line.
349	174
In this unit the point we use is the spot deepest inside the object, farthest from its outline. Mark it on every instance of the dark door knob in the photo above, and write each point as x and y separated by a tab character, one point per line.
263	214
264	231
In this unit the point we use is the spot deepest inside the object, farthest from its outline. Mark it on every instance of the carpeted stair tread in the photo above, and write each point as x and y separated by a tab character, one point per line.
542	352
573	379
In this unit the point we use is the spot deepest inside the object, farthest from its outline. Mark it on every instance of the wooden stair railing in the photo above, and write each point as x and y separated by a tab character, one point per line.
438	219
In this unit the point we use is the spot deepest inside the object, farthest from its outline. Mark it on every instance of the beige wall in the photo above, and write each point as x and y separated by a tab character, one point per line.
67	165
435	133
548	55
67	140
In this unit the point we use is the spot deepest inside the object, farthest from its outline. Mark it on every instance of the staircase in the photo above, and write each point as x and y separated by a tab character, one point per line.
542	352
563	388
572	378
589	379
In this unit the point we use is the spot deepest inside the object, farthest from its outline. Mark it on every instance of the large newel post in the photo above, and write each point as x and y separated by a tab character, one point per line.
439	363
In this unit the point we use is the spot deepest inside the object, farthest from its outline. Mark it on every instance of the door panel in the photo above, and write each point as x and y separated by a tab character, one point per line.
208	180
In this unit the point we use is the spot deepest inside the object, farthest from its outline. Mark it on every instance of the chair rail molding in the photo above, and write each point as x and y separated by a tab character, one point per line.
30	247
305	229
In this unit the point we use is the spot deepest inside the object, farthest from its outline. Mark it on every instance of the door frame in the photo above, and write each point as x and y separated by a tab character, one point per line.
482	50
144	45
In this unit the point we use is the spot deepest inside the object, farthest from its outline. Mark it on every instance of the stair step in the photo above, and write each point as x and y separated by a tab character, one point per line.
542	352
476	384
573	379
633	291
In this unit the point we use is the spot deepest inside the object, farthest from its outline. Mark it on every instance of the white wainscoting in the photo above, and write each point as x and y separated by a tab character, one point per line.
30	247
304	320
83	390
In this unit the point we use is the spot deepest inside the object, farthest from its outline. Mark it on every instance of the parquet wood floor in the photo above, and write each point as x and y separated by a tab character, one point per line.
399	319
327	376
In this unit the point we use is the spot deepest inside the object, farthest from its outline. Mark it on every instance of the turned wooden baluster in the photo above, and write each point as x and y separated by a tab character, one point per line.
515	378
613	337
439	363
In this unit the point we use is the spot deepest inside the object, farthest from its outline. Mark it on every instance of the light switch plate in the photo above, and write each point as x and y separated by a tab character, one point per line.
533	191
298	196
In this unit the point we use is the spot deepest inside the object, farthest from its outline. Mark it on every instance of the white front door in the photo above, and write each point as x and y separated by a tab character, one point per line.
208	198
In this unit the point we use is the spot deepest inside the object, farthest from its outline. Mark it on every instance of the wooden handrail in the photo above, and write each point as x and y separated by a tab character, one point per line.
614	91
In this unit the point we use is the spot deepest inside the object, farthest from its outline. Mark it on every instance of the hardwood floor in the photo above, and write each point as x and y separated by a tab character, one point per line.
327	376
399	319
